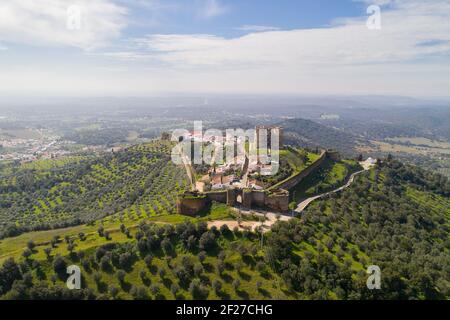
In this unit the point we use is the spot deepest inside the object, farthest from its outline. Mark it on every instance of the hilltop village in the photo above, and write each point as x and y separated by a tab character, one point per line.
238	183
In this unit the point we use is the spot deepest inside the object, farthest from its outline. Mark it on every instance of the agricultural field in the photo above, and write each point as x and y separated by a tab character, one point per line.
13	247
163	262
321	255
135	183
329	177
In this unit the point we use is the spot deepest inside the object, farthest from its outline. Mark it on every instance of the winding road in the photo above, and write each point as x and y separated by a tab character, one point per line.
305	203
272	217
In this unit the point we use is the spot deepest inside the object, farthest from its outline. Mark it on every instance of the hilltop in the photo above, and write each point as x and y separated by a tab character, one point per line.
395	216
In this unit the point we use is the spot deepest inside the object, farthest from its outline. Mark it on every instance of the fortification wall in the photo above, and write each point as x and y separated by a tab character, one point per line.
259	198
278	202
191	206
292	181
275	198
247	199
217	196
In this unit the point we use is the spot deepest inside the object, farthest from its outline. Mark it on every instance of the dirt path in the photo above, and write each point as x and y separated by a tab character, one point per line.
270	219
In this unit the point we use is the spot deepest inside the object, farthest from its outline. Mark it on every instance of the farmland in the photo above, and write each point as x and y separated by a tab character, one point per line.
133	184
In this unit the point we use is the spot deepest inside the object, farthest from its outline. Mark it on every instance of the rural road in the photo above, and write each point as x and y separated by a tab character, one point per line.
272	217
305	203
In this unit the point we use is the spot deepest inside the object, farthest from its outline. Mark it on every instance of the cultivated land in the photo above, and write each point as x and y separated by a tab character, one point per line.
130	244
137	183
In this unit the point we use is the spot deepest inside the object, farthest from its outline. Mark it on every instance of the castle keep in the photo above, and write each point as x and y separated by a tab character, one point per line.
275	198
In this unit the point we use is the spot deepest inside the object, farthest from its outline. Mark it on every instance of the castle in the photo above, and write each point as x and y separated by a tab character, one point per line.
275	198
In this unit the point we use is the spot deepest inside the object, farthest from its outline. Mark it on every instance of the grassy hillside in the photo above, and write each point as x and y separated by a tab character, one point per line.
86	236
159	262
138	182
330	176
292	161
395	216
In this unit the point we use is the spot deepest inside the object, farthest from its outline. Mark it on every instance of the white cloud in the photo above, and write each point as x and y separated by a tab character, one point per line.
409	55
213	8
44	22
256	28
406	31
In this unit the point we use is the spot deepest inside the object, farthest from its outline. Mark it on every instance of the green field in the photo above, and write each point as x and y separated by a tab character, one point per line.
137	183
292	162
136	247
13	247
330	176
157	281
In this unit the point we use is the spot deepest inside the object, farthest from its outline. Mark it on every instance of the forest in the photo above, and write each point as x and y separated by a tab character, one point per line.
395	216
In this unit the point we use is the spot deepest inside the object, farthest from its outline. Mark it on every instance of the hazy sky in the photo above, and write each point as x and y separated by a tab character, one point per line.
154	47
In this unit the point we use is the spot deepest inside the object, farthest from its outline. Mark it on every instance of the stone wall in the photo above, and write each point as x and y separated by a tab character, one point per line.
292	181
217	196
275	198
247	198
259	198
191	206
278	201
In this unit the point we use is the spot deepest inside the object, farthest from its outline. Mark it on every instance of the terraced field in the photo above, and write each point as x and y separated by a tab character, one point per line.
136	183
430	201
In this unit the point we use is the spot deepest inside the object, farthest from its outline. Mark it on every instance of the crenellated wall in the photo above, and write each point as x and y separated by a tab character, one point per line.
294	180
275	198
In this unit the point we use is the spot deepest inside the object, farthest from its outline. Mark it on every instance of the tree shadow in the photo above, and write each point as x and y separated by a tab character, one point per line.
153	269
160	296
125	286
146	281
223	295
180	296
102	287
249	260
208	267
226	277
167	283
245	276
243	294
265	293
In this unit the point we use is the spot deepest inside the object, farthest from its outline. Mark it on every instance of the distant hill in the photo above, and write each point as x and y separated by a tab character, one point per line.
307	133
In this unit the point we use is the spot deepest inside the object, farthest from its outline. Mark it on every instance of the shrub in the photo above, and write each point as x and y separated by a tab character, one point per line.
59	265
174	288
113	291
202	256
27	253
121	275
217	285
148	260
31	244
236	284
